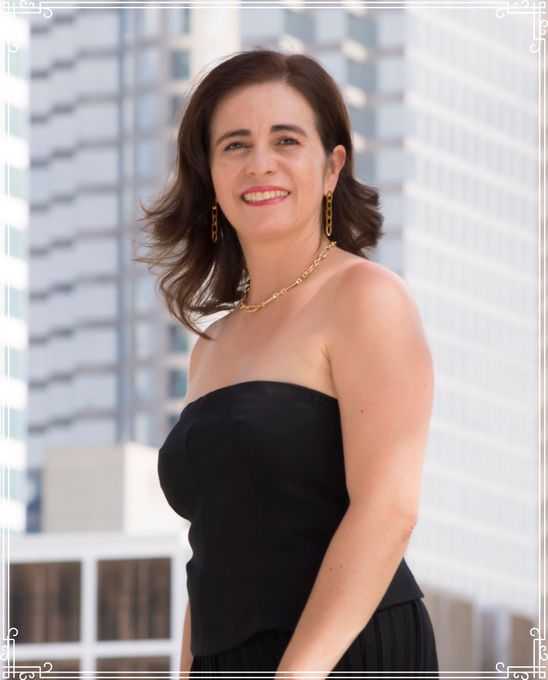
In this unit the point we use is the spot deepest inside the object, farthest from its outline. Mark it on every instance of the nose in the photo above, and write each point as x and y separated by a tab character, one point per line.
261	160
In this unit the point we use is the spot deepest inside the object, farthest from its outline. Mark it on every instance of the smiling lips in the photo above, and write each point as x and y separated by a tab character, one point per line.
256	198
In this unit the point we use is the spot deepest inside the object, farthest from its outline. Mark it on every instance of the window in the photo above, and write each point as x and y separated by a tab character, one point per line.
144	384
16	485
146	112
177	102
14	303
146	157
391	74
180	64
127	24
14	364
18	62
362	120
149	65
127	70
17	121
128	114
149	22
362	75
17	182
128	665
391	28
134	599
301	25
45	601
145	429
178	21
391	119
178	338
177	382
14	242
172	420
144	339
362	29
145	297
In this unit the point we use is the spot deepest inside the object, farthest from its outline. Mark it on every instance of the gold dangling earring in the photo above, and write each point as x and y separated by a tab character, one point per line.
214	223
329	213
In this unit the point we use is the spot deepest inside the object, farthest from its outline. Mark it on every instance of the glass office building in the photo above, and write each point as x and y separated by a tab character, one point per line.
14	272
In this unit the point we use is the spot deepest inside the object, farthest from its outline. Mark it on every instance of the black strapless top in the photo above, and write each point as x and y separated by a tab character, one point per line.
257	468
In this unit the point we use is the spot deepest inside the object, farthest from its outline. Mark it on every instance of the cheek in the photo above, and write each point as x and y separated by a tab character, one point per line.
223	178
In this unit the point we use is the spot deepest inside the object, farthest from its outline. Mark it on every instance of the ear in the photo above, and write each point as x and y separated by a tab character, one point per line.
335	164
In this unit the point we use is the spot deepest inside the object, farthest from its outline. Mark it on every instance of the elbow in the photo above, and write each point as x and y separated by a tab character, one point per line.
402	521
394	519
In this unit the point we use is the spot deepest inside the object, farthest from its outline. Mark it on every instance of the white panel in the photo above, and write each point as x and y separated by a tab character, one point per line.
60	402
61	354
335	64
40	55
39	277
97	120
40	318
60	267
56	311
93	391
95	301
96	29
40	140
40	184
391	74
62	177
391	28
256	22
94	211
96	256
61	215
391	165
96	166
330	25
93	432
95	345
62	127
391	119
62	88
65	41
97	76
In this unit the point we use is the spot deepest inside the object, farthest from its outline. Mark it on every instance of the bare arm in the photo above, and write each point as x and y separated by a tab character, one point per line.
382	370
186	654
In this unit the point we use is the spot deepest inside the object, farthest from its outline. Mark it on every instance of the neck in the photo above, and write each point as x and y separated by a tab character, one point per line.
277	263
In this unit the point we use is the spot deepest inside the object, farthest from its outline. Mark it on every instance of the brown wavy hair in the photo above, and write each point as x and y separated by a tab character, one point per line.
199	276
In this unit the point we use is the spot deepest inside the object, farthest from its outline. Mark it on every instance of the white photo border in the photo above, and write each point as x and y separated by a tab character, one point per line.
536	8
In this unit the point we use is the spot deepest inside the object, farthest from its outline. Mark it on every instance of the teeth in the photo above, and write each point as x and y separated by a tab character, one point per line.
264	195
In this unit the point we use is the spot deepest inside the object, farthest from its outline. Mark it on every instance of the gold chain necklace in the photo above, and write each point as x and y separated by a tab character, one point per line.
253	308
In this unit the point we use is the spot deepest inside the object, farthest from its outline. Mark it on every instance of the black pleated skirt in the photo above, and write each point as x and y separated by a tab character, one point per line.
397	638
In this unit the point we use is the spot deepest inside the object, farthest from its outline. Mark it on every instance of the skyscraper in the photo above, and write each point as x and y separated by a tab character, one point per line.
14	161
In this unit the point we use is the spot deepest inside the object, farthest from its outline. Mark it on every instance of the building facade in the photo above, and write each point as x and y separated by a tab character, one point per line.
14	270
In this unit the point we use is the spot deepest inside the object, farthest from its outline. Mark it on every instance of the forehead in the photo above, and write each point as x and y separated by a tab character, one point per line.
262	104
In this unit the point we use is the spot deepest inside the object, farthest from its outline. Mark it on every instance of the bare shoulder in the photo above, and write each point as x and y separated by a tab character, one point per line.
202	344
374	315
368	288
369	276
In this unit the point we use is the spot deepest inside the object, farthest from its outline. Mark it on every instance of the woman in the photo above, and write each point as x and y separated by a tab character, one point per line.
297	457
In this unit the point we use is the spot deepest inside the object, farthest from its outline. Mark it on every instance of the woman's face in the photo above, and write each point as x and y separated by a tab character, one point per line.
264	138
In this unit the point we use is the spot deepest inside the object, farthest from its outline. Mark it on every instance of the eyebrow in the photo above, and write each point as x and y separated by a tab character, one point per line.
274	128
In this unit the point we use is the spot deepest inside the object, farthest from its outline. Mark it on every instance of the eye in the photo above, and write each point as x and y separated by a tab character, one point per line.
227	148
290	139
282	139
